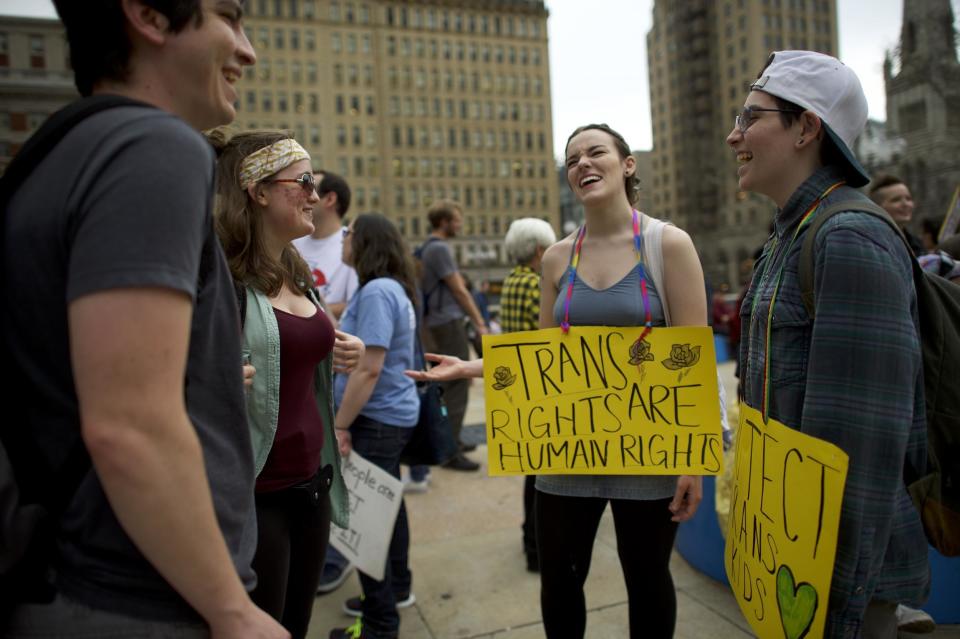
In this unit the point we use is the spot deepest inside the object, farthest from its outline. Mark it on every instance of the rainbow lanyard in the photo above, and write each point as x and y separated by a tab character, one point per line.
575	261
776	289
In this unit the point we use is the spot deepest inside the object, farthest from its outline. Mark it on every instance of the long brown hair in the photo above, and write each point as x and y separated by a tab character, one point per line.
240	225
379	251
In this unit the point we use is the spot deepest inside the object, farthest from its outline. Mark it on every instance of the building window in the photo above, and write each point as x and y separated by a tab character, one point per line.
336	44
335	11
4	50
294	39
278	38
38	58
309	40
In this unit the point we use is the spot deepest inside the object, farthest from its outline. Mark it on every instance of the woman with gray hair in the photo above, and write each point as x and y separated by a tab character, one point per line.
527	240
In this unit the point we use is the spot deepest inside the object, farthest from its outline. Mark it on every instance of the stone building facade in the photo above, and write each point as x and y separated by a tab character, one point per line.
922	81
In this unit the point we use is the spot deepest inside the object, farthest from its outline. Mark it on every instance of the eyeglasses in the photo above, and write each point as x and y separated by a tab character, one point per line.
744	119
305	181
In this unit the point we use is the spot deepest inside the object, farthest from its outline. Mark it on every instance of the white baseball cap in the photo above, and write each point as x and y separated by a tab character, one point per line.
831	90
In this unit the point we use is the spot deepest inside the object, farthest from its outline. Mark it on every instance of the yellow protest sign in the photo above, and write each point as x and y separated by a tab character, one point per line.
782	530
599	401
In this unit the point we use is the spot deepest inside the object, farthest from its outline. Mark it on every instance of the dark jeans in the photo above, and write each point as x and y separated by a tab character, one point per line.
566	529
451	339
381	444
529	516
292	534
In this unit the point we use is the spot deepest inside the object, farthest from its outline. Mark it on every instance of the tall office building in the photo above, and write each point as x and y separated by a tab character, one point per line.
413	102
923	105
35	78
702	56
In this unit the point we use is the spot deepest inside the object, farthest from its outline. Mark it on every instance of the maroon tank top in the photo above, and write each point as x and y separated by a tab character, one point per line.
295	454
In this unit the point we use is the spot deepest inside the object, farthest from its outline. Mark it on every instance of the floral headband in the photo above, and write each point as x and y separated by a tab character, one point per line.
269	160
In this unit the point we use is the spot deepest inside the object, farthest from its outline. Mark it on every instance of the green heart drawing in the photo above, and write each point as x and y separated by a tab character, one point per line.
797	603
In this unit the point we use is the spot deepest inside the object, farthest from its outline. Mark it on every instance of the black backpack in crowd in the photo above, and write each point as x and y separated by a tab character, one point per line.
32	495
418	257
936	494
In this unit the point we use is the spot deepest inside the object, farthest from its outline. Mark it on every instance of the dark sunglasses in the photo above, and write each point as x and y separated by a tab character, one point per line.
305	181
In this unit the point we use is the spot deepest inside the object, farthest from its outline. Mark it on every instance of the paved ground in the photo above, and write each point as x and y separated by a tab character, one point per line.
470	576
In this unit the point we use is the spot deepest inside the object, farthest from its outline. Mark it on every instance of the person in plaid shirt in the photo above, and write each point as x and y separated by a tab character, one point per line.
852	375
527	240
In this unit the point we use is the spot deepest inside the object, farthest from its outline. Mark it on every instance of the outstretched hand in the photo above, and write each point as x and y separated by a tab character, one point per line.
447	368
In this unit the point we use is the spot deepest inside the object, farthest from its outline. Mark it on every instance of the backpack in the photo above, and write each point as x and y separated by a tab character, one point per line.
936	494
418	257
32	495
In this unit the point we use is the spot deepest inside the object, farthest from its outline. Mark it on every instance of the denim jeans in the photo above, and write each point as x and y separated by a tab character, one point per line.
382	444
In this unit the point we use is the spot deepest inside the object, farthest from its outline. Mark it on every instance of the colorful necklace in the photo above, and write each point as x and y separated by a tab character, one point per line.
575	261
807	216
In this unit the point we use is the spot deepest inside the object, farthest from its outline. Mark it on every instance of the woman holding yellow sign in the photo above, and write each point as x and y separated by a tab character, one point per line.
621	268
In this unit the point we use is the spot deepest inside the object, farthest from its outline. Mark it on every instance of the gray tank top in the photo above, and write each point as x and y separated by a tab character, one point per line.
619	305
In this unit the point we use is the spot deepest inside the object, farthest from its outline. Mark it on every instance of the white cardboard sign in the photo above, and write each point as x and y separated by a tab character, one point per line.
374	503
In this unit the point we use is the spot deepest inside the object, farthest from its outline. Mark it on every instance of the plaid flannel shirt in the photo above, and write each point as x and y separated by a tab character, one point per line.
853	377
520	300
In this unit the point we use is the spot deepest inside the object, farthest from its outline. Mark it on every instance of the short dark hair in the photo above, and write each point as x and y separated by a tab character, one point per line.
631	183
99	44
882	182
441	211
931	225
331	182
830	155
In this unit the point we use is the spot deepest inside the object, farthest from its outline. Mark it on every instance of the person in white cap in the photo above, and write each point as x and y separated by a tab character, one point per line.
851	373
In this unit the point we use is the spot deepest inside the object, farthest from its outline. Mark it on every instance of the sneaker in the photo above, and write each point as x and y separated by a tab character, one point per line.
913	620
354	631
410	486
459	462
332	577
354	607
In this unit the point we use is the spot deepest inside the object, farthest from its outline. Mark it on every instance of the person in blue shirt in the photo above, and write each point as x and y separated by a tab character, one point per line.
377	405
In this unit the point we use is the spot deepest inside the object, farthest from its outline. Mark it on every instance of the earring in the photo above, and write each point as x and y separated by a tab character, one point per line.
800	141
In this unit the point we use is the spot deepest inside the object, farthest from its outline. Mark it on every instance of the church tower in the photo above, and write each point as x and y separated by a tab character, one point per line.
923	104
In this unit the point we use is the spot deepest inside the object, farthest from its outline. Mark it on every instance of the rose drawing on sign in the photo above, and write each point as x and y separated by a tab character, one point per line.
682	356
503	377
640	352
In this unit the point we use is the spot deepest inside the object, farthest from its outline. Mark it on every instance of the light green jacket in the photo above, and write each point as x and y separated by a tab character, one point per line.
261	340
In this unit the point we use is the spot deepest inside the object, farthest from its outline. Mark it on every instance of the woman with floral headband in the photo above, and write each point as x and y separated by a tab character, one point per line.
621	268
265	198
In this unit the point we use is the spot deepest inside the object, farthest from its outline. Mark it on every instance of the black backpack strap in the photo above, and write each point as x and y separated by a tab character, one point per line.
419	256
49	135
807	266
57	494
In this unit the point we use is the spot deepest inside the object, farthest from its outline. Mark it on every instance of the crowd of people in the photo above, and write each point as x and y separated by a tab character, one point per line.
197	341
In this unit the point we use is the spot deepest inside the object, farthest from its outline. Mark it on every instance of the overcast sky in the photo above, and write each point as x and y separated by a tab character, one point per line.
598	68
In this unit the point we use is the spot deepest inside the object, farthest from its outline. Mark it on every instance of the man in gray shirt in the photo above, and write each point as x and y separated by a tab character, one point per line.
125	335
447	302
